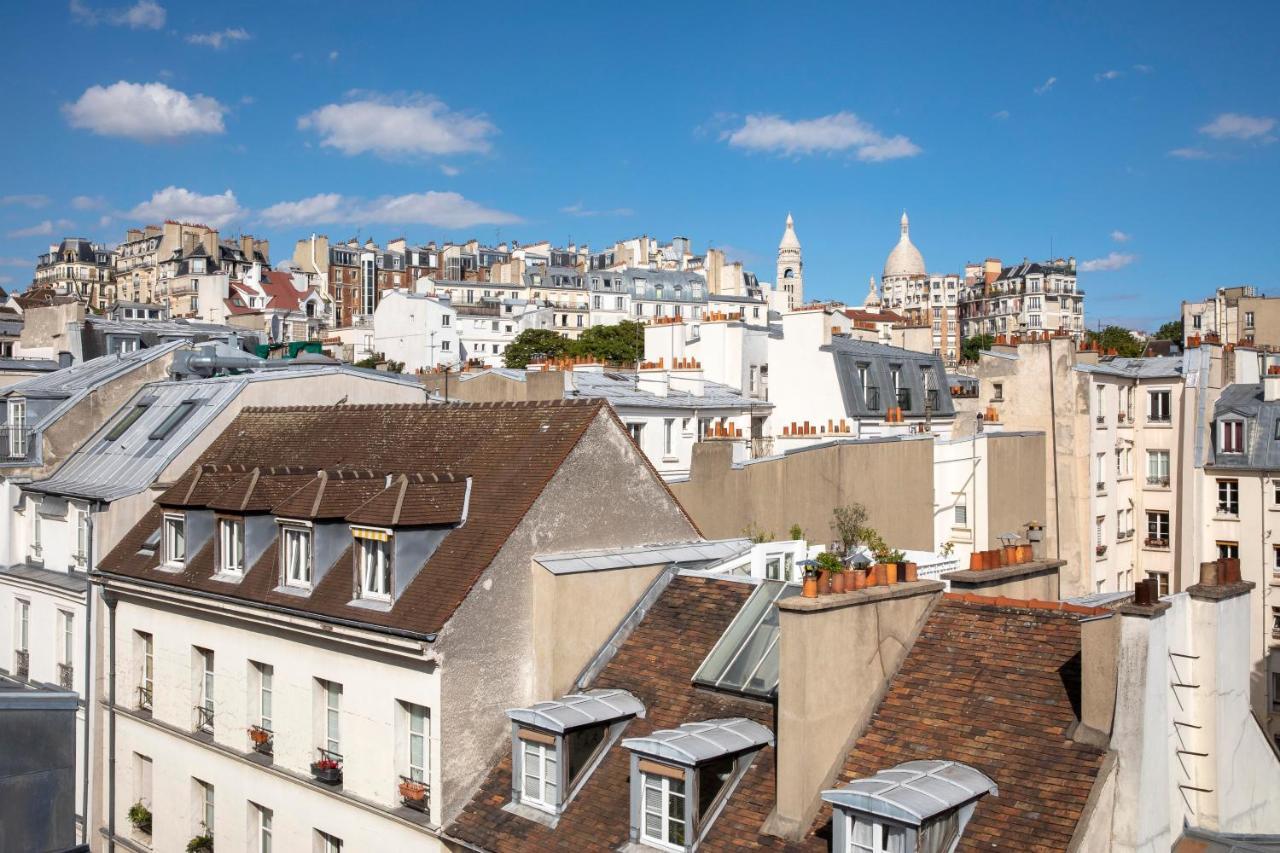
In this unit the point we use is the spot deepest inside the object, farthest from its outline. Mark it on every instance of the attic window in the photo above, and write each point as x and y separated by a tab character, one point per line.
556	744
681	778
915	807
175	418
129	420
373	563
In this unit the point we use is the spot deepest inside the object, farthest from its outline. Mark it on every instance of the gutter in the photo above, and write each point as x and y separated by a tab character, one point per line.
274	608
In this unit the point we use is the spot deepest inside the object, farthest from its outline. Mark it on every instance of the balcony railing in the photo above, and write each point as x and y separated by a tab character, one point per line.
904	398
144	698
15	444
1101	550
203	719
1162	482
1102	487
872	397
263	740
22	663
66	676
761	447
1229	509
328	767
1156	542
415	794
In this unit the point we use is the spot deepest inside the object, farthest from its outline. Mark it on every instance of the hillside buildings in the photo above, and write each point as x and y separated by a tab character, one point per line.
76	267
1022	299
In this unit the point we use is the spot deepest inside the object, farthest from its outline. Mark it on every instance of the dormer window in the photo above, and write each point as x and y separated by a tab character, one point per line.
175	539
373	563
231	546
556	744
916	807
295	556
680	778
1231	436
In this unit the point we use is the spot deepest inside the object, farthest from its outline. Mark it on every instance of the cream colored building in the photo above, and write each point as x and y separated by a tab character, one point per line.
1030	297
790	281
927	300
1235	315
77	267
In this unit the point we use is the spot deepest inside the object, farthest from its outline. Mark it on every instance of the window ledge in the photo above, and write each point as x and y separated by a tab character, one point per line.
1220	517
228	577
1151	488
298	591
377	604
534	814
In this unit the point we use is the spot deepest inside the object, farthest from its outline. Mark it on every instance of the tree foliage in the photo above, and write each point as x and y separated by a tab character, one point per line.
1170	331
621	343
970	347
1118	338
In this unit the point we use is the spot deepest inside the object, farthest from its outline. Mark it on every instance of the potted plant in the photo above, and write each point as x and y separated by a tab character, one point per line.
413	793
202	843
894	562
810	588
830	567
327	770
259	735
1100	550
912	572
140	817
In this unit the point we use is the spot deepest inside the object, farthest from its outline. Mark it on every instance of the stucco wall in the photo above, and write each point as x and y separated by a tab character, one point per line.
893	479
603	496
1015	484
495	388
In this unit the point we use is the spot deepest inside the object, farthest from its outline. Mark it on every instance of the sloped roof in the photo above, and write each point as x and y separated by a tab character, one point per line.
1261	448
510	451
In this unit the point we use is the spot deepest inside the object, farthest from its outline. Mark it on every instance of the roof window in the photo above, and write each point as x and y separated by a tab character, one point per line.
127	421
556	744
174	419
745	658
916	807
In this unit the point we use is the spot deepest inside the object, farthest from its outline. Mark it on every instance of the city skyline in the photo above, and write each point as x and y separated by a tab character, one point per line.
1133	150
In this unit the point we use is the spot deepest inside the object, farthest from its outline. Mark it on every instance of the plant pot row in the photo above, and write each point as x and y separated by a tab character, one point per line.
995	558
823	581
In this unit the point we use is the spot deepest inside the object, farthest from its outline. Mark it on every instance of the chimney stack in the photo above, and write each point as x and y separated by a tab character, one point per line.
1271	383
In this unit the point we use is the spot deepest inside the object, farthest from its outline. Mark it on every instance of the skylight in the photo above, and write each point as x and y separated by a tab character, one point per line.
129	420
745	658
175	418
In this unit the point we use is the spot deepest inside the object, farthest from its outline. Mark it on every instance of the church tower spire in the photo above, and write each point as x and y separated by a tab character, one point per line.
790	281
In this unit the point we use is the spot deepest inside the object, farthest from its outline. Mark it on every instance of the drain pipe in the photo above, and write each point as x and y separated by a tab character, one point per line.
109	598
88	681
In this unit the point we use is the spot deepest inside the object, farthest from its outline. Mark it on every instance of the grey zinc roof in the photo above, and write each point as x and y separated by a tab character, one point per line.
914	791
88	375
1156	367
1261	447
35	365
579	709
621	392
694	743
707	551
879	358
160	327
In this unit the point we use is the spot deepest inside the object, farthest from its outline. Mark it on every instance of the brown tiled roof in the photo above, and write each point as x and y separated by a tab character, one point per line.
332	494
510	450
414	500
259	491
655	664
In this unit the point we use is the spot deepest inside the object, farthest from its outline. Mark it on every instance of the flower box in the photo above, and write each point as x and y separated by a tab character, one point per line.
327	770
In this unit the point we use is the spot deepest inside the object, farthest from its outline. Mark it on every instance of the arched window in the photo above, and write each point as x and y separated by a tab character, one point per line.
788	273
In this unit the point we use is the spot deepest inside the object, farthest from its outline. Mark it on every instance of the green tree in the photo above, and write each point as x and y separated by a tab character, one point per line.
970	347
1170	331
535	342
621	343
1118	338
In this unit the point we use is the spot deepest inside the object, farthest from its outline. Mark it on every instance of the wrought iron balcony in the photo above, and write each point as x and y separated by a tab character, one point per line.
1156	542
328	767
66	676
263	740
1162	482
22	663
203	719
15	444
415	794
144	698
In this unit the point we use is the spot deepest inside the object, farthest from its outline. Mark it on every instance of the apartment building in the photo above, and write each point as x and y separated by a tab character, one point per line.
77	267
1029	297
154	263
924	299
315	629
1233	315
486	330
420	331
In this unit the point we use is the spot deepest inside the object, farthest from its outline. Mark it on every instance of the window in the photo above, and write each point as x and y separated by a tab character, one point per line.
171	422
1275	697
326	843
175	539
1157	468
446	345
373	567
297	556
1158	406
1099	531
663	806
1228	497
262	818
204	806
419	731
231	546
867	836
997	391
266	688
444	320
66	638
540	768
668	427
204	717
635	430
1162	582
962	511
1230	436
1275	621
17	427
1248	319
1228	550
82	535
332	724
1158	527
122	426
146	674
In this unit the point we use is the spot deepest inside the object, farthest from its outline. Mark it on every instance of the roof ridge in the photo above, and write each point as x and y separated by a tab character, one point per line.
1000	601
429	407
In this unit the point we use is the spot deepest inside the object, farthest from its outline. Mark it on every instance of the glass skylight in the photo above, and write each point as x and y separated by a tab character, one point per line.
745	658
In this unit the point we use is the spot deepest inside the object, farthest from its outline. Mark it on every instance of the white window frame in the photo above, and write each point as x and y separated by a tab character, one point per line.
266	695
662	785
418	731
668	436
22	625
1159	413
1235	428
66	631
208	684
1229	497
82	535
147	675
231	546
171	522
374	571
537	762
295	538
332	694
327	843
263	828
17	423
880	837
206	806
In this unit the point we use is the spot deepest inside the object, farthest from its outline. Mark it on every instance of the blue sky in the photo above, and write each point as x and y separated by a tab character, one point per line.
1138	137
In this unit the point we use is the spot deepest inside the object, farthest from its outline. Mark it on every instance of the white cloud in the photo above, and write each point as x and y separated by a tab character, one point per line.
1113	261
333	56
841	131
417	125
1120	236
184	205
1110	74
220	39
143	15
104	220
1000	115
1190	154
1237	126
29	200
441	209
1143	69
88	202
1045	86
16	262
579	209
144	111
450	171
42	229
